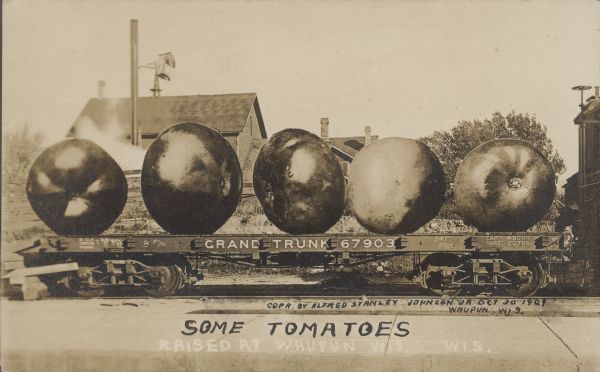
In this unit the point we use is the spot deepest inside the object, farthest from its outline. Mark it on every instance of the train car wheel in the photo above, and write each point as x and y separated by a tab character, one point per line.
527	286
168	279
434	267
82	283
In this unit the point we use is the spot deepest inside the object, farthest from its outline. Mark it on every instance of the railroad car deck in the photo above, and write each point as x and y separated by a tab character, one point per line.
326	243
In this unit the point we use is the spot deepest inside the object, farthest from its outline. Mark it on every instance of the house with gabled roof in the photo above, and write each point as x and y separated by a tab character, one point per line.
346	148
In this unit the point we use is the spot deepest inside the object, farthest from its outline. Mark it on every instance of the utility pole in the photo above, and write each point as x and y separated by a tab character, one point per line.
134	81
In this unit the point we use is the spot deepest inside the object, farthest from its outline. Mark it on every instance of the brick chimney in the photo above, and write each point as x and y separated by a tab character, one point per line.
101	85
367	134
325	129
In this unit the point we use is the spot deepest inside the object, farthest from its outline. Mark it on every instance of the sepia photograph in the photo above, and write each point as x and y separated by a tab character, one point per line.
255	185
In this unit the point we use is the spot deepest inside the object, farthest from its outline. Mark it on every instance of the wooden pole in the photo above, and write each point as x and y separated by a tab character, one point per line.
134	82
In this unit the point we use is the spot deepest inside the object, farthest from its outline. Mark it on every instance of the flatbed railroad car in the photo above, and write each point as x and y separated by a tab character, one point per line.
446	264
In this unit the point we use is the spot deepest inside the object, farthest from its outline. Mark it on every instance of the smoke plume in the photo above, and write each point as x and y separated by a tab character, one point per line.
112	139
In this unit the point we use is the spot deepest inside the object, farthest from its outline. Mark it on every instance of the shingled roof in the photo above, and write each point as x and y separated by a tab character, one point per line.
226	113
348	147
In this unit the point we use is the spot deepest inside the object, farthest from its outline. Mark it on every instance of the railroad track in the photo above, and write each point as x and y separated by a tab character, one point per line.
316	291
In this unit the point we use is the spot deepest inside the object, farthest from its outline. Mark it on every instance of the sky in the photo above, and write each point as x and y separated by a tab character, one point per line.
404	68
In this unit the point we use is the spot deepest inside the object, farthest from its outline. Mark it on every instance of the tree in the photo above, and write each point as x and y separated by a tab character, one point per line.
451	146
20	147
